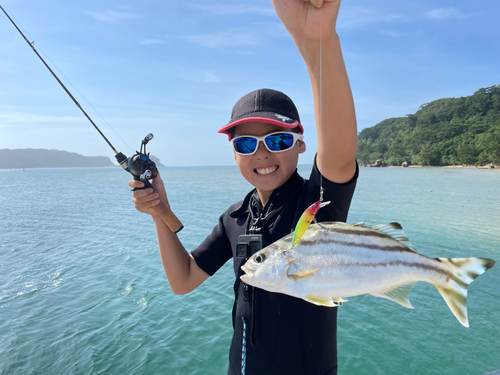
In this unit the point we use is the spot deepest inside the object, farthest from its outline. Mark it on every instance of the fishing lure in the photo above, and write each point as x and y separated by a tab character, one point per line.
306	219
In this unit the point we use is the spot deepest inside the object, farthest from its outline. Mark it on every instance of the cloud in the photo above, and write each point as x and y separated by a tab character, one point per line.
114	17
396	34
274	29
224	10
15	117
154	41
357	17
223	39
211	77
446	13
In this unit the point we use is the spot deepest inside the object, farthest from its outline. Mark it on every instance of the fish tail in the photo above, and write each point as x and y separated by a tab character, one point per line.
463	271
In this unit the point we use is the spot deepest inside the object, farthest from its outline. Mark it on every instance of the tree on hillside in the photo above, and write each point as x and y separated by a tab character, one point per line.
443	132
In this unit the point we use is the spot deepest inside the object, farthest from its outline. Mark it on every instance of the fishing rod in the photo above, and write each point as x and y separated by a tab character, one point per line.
139	165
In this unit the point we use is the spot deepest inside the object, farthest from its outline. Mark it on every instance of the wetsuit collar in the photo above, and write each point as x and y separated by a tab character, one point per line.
277	199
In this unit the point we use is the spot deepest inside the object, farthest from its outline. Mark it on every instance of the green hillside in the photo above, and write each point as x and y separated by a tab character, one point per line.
450	131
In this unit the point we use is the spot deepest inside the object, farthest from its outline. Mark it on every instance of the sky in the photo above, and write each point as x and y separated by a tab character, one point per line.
176	68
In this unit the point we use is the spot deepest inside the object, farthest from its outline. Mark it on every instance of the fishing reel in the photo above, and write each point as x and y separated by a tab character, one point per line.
144	169
140	165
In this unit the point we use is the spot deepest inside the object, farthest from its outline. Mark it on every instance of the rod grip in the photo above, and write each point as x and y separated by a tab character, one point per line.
163	209
168	216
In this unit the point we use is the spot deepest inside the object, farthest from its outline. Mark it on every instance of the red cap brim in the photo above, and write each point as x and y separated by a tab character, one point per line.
225	129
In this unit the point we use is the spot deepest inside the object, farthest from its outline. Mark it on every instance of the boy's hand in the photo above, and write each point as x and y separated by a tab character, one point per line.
308	22
302	18
145	200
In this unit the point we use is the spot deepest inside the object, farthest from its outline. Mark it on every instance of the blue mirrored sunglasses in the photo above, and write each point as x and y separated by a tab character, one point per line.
275	142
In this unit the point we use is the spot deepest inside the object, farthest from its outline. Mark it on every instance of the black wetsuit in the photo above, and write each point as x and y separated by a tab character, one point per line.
283	334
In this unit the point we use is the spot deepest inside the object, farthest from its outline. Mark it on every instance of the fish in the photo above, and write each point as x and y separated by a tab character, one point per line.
331	261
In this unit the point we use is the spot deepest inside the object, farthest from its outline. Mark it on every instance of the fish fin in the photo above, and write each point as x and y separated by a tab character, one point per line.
360	224
399	294
304	274
395	230
320	300
464	271
338	301
324	300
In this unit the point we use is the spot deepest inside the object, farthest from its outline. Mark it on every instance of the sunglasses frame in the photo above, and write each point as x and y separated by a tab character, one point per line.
261	138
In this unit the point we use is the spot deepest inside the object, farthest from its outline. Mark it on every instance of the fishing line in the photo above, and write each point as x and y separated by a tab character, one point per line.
321	190
38	49
76	89
84	98
31	44
139	165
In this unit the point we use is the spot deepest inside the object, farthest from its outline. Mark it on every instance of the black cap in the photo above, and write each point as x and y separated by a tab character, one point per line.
264	105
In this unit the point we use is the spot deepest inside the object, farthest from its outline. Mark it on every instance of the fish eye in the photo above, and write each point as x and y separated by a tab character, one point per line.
259	258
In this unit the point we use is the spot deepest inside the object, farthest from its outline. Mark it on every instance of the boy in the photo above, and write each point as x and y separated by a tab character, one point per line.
275	333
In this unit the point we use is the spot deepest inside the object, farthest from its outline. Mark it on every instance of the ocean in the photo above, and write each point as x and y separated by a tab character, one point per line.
82	289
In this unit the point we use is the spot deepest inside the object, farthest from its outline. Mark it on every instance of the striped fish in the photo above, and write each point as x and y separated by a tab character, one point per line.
333	261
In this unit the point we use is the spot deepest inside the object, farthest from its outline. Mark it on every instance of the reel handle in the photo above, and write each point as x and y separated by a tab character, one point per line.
163	209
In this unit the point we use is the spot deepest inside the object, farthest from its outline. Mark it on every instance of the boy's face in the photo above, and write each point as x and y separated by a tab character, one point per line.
266	170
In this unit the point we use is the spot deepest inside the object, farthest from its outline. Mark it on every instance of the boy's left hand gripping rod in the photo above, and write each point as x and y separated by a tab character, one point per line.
144	169
139	164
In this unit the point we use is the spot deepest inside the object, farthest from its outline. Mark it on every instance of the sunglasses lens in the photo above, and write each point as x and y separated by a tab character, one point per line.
245	145
274	142
279	142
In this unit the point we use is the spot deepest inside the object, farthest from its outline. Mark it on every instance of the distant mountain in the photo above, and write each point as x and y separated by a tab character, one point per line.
156	160
42	158
446	131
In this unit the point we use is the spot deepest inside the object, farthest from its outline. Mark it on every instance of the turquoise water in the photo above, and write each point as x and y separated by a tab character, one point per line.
82	290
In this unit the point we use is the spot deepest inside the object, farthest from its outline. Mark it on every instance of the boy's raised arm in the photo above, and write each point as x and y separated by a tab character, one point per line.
308	22
182	272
